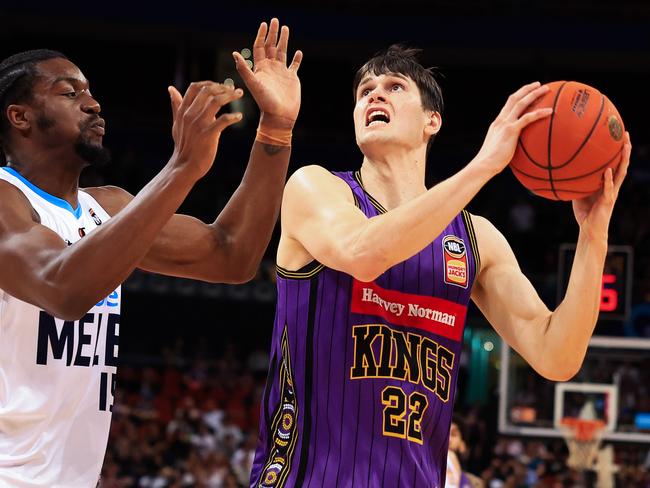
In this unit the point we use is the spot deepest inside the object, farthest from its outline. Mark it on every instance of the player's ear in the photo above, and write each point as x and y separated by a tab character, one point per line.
433	123
19	116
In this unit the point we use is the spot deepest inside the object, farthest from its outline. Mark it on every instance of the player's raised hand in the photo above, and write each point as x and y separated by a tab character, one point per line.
502	136
594	212
197	126
274	85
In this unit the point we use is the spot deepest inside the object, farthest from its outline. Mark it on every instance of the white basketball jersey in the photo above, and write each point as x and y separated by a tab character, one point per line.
57	378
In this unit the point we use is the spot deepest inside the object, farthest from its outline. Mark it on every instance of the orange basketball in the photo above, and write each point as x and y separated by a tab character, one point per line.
564	156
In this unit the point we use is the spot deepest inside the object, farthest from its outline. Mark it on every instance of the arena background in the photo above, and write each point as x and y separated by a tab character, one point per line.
194	356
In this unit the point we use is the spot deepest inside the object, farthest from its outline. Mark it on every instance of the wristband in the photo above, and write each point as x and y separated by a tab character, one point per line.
274	137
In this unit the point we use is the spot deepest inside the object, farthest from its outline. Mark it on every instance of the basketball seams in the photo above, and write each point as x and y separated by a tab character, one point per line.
566	194
584	175
589	134
550	138
530	158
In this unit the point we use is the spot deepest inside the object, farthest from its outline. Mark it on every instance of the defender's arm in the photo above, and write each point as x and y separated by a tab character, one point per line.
230	249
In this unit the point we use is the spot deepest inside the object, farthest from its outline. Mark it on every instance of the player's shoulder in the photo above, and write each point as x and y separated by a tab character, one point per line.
314	180
311	174
111	198
481	224
14	203
492	244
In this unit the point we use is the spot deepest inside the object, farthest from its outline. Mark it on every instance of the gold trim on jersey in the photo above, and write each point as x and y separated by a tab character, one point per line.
467	218
307	271
375	203
284	426
356	201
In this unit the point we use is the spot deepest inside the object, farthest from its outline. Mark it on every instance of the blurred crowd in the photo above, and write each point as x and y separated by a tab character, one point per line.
181	424
518	463
185	425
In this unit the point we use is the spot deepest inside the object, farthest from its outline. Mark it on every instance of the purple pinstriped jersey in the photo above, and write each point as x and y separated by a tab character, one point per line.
361	385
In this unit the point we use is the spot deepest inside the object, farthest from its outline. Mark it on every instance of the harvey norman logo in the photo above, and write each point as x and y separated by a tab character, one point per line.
436	315
414	310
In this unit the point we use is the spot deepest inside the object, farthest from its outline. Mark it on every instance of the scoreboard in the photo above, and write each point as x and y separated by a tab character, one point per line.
616	283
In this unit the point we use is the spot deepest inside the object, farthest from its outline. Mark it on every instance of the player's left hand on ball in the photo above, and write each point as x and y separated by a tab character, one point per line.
594	212
274	86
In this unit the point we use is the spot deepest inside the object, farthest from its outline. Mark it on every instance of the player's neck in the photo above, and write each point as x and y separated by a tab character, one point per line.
50	175
393	181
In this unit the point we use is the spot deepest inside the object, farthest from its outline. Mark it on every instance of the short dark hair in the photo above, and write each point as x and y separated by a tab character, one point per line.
404	60
17	76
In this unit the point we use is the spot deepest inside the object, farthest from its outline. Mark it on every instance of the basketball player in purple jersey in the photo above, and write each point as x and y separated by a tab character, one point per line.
374	276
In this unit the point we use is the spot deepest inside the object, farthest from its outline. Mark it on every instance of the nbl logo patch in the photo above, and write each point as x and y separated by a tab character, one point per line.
455	258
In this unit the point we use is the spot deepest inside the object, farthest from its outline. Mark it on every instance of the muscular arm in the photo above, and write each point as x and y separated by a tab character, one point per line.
230	249
319	214
554	343
39	268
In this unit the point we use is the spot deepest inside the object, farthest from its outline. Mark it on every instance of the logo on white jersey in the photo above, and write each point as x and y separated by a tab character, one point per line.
97	220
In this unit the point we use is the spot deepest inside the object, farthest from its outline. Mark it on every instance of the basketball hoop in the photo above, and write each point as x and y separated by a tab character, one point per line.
583	439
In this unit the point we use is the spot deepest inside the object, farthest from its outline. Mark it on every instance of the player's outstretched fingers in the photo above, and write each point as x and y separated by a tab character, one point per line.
203	98
216	98
176	99
521	106
191	93
225	120
242	68
621	171
516	96
283	43
258	46
191	113
272	39
297	59
608	186
531	117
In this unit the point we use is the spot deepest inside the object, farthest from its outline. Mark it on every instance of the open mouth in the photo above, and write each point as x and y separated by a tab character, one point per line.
377	116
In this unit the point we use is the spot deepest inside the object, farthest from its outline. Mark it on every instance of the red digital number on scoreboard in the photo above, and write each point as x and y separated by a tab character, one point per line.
608	296
616	284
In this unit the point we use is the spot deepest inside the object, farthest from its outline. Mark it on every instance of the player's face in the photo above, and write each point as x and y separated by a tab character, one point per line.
64	111
389	110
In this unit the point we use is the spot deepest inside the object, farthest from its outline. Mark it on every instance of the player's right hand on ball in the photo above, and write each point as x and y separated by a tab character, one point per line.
502	136
197	126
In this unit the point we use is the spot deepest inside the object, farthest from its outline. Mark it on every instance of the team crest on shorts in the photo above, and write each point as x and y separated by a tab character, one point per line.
455	258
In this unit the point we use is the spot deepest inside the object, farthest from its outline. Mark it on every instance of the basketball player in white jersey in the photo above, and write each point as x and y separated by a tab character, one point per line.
65	251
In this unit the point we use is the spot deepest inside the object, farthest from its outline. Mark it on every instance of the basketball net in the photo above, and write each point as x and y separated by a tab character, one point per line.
582	435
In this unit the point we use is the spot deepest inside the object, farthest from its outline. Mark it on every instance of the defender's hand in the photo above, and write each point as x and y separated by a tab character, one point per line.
275	88
502	136
196	128
594	212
